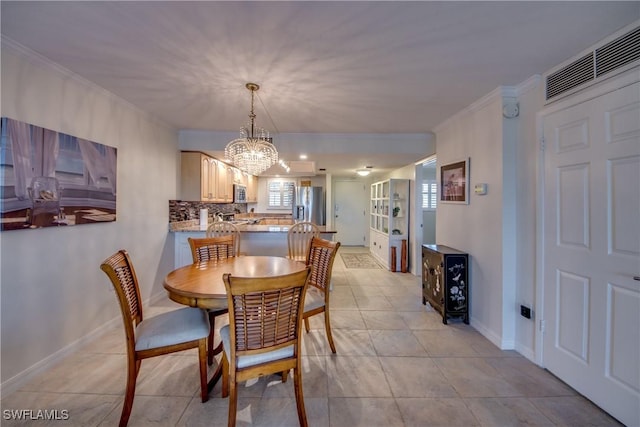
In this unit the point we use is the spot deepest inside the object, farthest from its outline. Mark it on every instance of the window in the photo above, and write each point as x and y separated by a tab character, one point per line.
70	169
429	194
281	194
7	177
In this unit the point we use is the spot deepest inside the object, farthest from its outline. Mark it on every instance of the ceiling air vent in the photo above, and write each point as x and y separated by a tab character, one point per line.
617	53
572	75
601	60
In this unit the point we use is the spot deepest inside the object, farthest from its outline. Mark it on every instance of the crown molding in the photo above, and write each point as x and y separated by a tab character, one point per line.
498	93
532	83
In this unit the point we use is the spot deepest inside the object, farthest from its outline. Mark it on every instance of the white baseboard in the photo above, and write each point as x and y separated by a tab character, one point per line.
527	352
14	383
17	381
492	336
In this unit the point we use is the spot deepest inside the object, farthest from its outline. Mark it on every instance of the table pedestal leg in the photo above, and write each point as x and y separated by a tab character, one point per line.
215	378
218	371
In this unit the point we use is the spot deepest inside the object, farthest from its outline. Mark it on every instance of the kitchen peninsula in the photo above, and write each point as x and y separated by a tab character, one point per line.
256	239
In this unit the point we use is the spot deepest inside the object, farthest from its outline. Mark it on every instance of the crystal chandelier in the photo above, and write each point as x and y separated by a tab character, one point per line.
253	152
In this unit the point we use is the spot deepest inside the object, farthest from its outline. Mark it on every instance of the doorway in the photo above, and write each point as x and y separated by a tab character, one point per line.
350	213
429	200
425	210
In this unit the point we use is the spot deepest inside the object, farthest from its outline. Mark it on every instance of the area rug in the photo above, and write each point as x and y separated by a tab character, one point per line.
359	261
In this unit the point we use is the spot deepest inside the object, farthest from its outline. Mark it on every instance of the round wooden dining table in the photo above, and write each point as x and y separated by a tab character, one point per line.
201	284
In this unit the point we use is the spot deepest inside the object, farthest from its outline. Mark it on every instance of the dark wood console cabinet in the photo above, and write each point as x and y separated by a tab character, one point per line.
445	281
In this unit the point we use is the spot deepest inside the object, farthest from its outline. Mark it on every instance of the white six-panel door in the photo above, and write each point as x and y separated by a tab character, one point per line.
591	286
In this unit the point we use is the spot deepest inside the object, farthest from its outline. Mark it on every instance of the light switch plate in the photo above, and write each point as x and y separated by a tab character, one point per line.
480	189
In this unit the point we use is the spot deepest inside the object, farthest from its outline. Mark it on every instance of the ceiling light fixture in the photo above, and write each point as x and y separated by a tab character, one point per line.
284	165
253	152
363	172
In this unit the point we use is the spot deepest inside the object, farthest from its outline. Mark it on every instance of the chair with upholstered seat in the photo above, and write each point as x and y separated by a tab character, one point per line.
207	249
320	258
263	334
173	331
298	238
225	228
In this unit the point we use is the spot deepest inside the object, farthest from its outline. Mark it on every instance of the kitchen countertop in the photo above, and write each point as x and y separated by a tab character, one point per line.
245	228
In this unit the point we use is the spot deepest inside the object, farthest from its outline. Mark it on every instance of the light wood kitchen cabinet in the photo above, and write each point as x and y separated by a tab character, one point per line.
224	187
204	178
239	177
252	189
208	172
198	177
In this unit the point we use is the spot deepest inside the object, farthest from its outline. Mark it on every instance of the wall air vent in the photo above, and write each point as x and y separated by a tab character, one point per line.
601	60
572	75
617	53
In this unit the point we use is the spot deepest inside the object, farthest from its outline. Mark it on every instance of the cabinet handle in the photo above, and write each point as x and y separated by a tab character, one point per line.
636	278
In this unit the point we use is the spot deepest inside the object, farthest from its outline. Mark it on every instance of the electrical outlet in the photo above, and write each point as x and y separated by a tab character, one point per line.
525	312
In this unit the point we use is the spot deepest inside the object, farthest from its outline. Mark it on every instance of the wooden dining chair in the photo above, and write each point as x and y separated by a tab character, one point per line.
320	259
212	248
298	238
263	334
207	249
173	331
225	228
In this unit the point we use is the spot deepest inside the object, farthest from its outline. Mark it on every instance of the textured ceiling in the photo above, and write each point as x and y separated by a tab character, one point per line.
324	67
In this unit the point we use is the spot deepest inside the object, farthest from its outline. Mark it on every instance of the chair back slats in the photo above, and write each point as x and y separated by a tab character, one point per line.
264	313
320	258
225	228
212	248
120	271
129	288
298	238
266	319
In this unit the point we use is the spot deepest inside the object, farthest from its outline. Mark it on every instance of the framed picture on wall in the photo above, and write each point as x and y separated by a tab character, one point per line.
53	179
454	182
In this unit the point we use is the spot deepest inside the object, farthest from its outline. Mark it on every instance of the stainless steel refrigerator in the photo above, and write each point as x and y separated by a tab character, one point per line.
308	204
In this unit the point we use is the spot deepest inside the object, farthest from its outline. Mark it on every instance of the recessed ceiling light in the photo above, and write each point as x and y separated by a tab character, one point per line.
363	172
303	157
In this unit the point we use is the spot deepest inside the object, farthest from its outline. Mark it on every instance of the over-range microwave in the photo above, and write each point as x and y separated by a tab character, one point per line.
239	193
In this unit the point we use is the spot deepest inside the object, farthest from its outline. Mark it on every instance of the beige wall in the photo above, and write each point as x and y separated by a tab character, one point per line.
496	229
476	228
530	100
53	293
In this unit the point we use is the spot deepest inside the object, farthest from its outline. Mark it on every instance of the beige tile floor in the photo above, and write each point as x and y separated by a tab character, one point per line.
396	365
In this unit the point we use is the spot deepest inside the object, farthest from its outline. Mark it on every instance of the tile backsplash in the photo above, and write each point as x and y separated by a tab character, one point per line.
180	210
